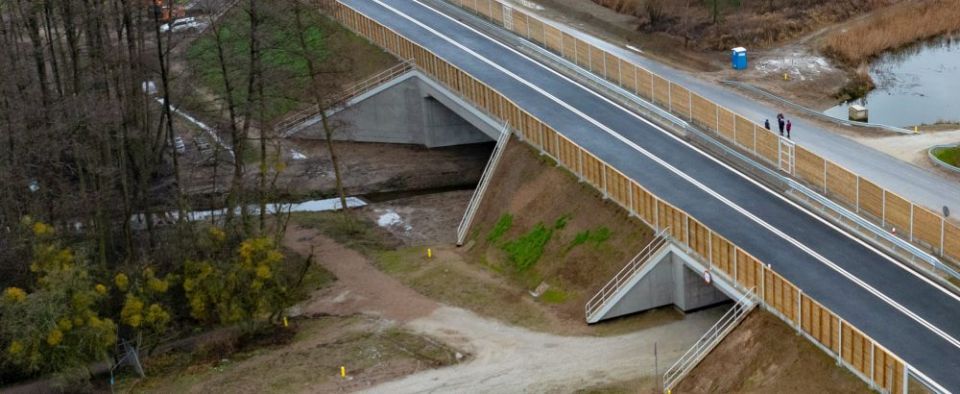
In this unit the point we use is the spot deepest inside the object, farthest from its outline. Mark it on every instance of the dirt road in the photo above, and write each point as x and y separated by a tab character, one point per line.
504	358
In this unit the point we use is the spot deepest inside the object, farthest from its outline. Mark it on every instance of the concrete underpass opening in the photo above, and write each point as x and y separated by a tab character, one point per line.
660	275
408	108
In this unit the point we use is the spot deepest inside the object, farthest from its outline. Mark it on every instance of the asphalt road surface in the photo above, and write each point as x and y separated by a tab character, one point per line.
907	314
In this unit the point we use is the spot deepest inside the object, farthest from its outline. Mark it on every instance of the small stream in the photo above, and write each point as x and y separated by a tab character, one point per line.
916	85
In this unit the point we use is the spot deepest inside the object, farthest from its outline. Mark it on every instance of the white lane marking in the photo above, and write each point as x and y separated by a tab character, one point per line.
679	173
696	149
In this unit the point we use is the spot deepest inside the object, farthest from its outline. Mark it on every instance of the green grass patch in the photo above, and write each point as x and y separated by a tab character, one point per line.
554	296
950	155
525	251
503	225
597	237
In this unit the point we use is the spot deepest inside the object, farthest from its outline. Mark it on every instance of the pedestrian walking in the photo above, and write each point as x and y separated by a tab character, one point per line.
766	124
789	126
780	123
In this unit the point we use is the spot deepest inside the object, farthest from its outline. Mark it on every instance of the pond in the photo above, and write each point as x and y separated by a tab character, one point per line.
916	85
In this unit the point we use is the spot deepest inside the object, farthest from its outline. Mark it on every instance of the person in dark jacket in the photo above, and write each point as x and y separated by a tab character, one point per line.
789	126
780	123
766	124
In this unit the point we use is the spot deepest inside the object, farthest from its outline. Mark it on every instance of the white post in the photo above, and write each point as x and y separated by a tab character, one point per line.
840	341
606	192
653	89
686	224
605	71
632	211
690	104
911	222
858	194
656	213
670	96
942	230
883	208
717	107
873	366
799	308
824	177
710	251
736	279
579	163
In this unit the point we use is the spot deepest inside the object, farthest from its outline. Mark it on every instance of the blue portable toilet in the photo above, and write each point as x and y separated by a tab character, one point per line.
739	58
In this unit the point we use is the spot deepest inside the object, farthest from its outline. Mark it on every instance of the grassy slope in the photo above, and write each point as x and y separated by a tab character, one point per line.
559	231
284	66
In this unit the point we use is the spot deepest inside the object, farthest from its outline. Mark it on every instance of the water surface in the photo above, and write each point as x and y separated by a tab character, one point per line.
920	84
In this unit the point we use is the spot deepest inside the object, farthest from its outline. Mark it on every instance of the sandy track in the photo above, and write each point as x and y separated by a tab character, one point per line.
502	358
511	359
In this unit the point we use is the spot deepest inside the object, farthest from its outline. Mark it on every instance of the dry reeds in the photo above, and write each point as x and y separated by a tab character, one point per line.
892	28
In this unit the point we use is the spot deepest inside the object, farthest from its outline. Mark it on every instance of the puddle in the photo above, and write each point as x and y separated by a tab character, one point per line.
916	85
137	222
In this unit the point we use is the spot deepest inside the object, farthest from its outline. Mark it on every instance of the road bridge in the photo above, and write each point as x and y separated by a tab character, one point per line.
880	318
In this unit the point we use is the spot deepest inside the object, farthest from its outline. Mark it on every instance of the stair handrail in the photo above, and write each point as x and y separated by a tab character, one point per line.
626	273
488	171
710	339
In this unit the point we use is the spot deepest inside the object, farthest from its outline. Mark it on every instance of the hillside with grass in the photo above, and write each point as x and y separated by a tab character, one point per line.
538	224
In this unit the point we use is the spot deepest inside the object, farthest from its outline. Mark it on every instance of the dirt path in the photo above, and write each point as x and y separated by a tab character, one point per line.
510	359
360	287
505	358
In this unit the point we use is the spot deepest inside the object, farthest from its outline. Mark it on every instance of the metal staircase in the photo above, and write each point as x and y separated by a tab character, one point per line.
477	197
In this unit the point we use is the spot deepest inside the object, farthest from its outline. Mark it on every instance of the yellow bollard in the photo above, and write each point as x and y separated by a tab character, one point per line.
285	322
916	130
786	77
343	372
429	253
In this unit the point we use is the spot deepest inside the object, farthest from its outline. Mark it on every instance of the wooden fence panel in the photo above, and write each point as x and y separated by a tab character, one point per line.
553	38
483	7
497	14
551	142
897	213
618	187
570	47
699	237
887	370
628	76
745	132
583	54
681	101
520	24
841	184
951	241
768	146
871	198
535	27
672	218
926	227
568	154
748	271
644	84
856	349
661	91
592	169
644	204
612	65
704	112
809	167
722	254
597	57
725	118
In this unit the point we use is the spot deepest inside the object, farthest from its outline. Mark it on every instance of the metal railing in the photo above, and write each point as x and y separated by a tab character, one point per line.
709	340
626	274
348	93
866	228
488	171
816	114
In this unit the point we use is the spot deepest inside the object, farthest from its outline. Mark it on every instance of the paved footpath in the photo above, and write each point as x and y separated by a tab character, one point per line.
920	185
